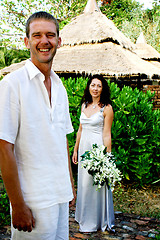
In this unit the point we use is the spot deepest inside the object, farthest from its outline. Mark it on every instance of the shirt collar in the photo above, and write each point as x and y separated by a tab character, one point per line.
33	71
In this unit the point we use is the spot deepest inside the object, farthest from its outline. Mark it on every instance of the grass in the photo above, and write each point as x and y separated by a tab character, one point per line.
143	202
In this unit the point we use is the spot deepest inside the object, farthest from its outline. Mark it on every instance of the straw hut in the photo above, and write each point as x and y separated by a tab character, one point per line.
147	52
91	44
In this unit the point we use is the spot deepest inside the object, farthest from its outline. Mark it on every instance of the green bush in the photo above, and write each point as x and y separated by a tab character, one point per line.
135	130
4	208
10	56
136	134
75	90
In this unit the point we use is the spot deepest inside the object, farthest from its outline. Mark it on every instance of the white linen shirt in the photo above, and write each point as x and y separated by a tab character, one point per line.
38	130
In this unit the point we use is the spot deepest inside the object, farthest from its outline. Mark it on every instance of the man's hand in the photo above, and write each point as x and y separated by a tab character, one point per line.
22	218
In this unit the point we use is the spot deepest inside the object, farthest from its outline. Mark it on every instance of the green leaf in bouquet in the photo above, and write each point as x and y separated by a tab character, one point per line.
86	154
105	150
95	145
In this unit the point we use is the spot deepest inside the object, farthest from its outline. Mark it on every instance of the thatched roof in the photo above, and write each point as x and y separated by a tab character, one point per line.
145	51
155	63
108	59
91	7
91	43
11	68
141	39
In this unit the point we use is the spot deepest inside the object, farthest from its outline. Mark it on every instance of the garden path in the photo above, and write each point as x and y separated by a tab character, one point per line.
127	227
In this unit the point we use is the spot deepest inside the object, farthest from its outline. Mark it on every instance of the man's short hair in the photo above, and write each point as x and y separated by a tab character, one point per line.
41	15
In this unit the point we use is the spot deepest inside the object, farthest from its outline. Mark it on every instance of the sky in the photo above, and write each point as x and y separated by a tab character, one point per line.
147	3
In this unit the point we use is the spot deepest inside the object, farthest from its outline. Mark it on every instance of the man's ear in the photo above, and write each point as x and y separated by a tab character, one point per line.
59	42
26	41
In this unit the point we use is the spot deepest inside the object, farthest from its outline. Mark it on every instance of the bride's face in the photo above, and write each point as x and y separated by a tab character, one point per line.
95	88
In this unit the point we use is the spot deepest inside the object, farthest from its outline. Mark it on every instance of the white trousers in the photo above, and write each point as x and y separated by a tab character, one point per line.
51	224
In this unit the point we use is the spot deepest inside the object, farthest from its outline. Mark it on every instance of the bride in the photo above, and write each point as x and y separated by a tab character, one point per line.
94	209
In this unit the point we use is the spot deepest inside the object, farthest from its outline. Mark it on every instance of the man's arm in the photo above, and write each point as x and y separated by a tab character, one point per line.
71	178
22	218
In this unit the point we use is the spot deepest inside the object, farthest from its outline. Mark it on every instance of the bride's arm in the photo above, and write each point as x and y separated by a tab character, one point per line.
108	119
75	152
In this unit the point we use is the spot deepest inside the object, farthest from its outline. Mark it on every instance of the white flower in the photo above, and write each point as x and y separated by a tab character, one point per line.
101	165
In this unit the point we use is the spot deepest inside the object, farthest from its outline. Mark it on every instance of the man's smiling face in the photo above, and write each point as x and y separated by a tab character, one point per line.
43	41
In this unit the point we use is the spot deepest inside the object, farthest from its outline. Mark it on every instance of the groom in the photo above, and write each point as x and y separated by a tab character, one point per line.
34	152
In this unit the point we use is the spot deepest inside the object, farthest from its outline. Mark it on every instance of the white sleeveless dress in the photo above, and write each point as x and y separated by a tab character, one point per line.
94	208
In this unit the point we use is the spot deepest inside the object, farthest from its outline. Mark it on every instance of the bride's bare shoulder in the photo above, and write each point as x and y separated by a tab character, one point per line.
108	110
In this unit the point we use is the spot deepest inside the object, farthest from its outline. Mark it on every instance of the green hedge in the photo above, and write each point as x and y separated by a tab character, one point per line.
135	130
136	134
4	206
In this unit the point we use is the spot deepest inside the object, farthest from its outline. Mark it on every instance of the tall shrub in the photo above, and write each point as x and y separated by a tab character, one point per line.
75	89
136	134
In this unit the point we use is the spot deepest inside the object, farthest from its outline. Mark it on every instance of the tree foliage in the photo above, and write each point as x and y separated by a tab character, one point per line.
121	10
131	19
17	12
146	21
128	16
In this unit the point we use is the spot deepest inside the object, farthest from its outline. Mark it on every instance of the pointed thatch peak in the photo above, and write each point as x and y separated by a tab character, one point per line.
141	39
91	7
146	51
93	27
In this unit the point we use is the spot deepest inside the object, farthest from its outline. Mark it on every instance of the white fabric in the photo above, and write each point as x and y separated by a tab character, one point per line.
94	208
51	224
38	129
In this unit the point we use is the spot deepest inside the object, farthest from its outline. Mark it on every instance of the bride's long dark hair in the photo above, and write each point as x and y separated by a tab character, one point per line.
105	94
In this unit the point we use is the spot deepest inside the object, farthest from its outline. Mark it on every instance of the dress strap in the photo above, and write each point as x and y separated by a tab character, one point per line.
84	106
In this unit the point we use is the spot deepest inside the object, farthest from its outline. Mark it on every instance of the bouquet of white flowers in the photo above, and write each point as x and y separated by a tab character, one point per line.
100	164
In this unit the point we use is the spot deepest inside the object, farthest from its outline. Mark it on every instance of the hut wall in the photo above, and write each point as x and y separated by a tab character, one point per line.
154	88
